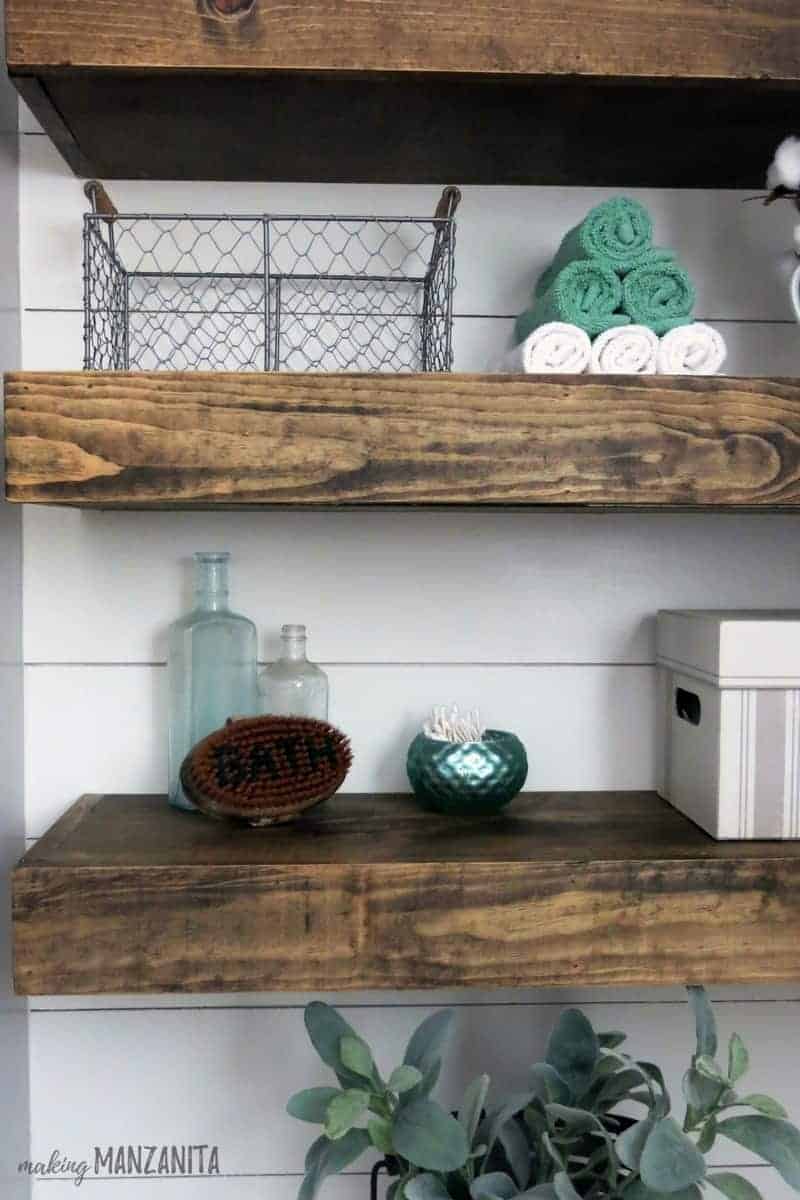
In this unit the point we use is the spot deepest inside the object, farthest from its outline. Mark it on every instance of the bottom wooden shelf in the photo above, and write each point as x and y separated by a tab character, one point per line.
124	894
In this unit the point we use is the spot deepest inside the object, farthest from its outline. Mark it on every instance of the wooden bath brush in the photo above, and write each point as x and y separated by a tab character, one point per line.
265	770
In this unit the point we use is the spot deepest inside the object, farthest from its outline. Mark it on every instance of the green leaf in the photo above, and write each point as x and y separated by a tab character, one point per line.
573	1050
471	1110
777	1142
764	1104
380	1133
701	1093
707	1136
734	1186
344	1110
426	1187
494	1186
564	1188
547	1084
429	1137
517	1151
326	1030
630	1144
312	1104
403	1079
738	1059
428	1040
710	1069
542	1191
619	1087
638	1191
357	1056
554	1154
610	1041
705	1023
654	1073
670	1160
574	1120
326	1158
425	1086
496	1117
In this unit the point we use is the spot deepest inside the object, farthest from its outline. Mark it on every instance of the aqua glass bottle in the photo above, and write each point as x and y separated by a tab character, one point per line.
212	667
293	686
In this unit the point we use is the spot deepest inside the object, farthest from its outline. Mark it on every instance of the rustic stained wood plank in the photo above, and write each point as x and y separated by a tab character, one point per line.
198	439
127	895
687	39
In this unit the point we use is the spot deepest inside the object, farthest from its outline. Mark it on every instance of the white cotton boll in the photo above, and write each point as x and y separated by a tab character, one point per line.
784	169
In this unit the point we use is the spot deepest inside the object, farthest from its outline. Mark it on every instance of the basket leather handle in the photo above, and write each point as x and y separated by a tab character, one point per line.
228	10
449	202
101	202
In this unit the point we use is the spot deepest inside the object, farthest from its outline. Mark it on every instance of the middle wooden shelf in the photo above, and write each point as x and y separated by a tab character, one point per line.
206	440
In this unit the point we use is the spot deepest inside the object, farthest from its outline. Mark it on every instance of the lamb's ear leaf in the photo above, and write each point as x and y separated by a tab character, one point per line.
380	1134
777	1142
423	1089
426	1187
326	1158
564	1188
708	1135
765	1105
705	1022
496	1118
517	1150
670	1160
356	1056
734	1186
311	1104
404	1078
638	1191
547	1084
429	1137
612	1039
630	1144
427	1041
738	1058
343	1112
472	1106
573	1049
496	1185
326	1030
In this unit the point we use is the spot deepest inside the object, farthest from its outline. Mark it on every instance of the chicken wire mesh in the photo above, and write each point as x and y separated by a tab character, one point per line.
268	293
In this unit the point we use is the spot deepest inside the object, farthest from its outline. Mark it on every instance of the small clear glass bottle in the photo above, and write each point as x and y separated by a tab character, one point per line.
293	686
211	666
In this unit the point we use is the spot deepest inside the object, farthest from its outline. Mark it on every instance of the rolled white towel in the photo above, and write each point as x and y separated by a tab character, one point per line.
555	348
696	349
625	350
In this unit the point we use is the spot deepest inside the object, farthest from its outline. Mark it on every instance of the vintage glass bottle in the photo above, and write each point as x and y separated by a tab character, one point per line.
212	667
293	686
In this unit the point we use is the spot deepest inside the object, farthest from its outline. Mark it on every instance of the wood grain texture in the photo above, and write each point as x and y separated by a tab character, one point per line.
126	895
397	128
691	39
210	440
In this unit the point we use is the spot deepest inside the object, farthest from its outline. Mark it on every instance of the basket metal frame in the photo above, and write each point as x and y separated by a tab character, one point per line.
107	326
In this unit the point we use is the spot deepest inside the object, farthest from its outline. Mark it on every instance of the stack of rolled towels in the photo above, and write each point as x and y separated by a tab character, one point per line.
612	303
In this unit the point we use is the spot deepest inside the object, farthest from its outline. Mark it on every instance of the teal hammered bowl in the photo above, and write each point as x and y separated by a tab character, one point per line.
467	778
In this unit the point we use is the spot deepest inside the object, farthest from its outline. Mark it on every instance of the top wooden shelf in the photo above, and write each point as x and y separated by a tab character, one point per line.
418	92
125	894
204	440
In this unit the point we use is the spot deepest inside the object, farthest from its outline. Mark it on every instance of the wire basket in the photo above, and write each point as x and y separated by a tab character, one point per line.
267	293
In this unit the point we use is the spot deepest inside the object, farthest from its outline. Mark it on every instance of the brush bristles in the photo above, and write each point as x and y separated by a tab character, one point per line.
265	769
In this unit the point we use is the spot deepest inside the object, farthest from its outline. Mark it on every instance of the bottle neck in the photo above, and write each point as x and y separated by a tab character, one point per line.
211	586
293	647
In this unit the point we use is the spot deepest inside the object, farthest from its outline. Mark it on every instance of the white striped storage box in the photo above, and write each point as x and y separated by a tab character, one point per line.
732	720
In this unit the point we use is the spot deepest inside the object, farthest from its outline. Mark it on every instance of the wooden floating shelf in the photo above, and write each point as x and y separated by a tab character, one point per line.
638	94
204	440
125	894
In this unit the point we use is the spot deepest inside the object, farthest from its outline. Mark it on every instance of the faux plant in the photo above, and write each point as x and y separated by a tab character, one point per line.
563	1137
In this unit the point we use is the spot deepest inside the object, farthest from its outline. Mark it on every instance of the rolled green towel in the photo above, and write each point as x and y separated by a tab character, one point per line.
617	233
659	295
585	293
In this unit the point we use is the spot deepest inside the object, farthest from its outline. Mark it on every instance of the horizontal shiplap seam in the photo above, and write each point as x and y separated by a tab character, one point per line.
373	664
480	316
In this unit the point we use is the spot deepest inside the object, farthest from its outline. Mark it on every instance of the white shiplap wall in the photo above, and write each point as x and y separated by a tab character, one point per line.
14	1126
545	620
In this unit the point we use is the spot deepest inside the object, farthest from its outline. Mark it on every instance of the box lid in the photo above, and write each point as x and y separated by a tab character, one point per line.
733	648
